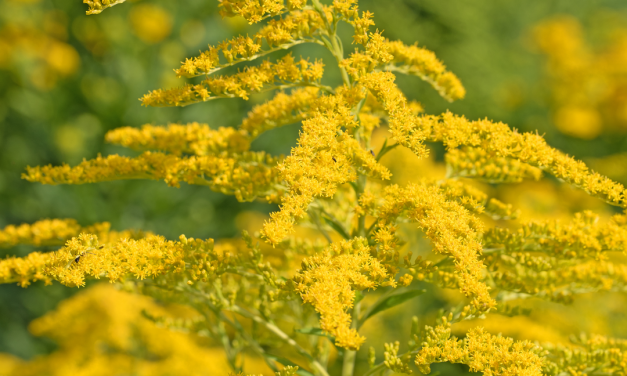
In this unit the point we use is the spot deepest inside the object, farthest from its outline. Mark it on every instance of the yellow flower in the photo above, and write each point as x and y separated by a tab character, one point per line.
328	281
57	231
85	256
193	138
97	6
268	76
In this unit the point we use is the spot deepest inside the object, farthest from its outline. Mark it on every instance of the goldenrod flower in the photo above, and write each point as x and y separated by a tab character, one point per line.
281	34
328	281
256	10
481	351
85	256
247	175
97	6
268	76
193	138
452	229
480	164
57	231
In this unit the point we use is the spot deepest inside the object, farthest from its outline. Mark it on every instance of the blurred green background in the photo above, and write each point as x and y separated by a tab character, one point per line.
67	78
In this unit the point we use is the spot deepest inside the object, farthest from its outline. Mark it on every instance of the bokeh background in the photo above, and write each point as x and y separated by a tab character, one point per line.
555	66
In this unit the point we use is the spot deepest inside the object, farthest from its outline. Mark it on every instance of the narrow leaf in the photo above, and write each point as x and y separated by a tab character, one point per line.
388	301
314	332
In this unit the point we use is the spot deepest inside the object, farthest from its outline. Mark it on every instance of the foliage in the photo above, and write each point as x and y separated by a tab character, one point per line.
292	293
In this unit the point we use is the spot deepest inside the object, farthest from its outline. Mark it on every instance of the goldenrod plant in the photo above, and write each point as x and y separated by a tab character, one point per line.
362	229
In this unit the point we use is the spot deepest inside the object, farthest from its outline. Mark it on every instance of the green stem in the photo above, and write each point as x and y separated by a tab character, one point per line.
336	44
279	333
348	364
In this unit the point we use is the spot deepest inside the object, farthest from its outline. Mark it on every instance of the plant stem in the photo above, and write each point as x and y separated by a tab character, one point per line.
336	50
282	335
348	364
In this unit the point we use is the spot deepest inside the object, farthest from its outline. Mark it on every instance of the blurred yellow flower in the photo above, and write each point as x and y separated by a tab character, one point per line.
151	23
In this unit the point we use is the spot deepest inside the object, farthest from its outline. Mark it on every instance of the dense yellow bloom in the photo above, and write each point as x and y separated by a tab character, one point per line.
268	76
46	232
544	278
281	110
294	29
323	160
423	63
97	6
476	200
478	163
451	228
328	281
85	256
497	138
256	10
604	355
247	296
403	123
247	175
103	329
584	237
193	138
529	148
481	351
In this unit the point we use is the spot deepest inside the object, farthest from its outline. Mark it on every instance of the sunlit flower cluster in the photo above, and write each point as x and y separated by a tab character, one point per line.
328	281
477	163
310	272
452	229
281	110
256	10
285	73
97	6
245	175
279	34
85	256
193	138
481	351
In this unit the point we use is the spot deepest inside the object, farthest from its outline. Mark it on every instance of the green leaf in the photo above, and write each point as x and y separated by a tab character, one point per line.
389	300
337	227
286	362
315	332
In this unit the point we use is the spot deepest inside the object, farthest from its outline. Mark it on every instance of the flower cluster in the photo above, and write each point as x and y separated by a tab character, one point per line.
603	354
47	232
103	328
481	351
529	148
281	110
452	229
256	10
85	255
97	6
245	175
322	161
350	230
585	237
423	63
193	138
328	281
284	33
268	76
477	163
